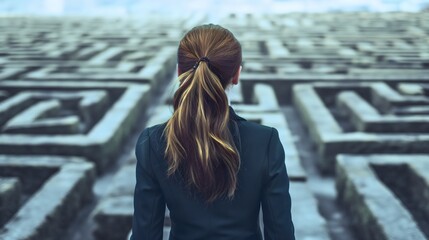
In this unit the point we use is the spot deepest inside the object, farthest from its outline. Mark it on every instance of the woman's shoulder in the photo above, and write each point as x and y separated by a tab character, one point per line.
255	125
250	126
255	129
153	133
156	128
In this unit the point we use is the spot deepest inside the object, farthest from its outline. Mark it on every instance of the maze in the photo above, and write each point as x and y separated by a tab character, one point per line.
41	194
381	205
287	49
94	50
88	120
72	91
348	92
113	215
360	118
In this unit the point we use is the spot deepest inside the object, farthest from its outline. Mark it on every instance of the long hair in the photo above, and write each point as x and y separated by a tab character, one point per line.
199	143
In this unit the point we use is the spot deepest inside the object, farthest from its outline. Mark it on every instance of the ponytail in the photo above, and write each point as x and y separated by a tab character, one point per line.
199	144
198	135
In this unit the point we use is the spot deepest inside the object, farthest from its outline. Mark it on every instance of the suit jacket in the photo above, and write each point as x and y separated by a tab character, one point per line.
262	181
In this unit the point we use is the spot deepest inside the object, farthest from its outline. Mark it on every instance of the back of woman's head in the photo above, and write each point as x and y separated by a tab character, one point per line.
199	143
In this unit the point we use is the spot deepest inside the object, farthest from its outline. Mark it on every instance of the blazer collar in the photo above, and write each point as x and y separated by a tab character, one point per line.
233	127
234	115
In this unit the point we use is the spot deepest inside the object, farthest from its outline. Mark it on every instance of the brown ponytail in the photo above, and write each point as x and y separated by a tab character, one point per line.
199	143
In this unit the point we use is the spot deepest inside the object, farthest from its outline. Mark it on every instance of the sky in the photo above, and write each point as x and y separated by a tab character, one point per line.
210	7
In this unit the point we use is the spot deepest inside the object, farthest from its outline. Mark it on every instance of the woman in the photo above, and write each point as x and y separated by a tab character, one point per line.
212	168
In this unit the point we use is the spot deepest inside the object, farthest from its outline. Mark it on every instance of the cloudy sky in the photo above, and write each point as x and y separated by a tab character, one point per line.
211	7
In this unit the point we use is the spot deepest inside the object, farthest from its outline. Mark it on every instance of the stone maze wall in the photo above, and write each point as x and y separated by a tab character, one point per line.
362	118
75	94
88	119
41	194
383	205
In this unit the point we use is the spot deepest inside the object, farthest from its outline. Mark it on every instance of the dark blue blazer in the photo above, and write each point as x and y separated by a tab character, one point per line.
262	181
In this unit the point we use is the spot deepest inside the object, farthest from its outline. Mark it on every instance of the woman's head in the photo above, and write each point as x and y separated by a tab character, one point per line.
218	44
199	143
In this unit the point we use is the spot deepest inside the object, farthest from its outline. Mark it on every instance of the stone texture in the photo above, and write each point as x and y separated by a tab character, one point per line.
99	143
10	198
308	222
381	205
114	217
373	127
54	202
366	118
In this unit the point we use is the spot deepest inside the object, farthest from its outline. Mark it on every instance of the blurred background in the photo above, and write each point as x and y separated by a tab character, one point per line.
346	83
172	8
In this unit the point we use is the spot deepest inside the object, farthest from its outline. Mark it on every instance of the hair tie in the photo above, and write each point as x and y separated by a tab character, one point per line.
204	59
